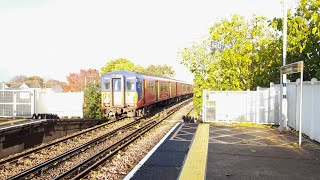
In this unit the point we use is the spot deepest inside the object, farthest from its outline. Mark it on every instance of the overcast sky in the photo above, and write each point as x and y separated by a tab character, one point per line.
52	38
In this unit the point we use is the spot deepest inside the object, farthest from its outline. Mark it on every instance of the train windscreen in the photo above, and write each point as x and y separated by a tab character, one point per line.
130	85
106	85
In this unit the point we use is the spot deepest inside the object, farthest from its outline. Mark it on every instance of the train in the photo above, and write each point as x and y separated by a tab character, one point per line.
135	94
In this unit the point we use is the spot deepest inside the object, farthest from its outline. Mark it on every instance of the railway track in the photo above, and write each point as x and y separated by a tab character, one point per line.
33	150
85	166
40	168
101	157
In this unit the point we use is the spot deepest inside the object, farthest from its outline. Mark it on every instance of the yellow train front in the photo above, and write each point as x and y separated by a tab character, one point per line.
134	94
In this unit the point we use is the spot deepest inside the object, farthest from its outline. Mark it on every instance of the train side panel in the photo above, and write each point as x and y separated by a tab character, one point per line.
150	91
164	90
173	89
179	89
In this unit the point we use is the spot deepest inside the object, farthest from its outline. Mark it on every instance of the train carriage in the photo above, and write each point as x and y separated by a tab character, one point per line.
134	93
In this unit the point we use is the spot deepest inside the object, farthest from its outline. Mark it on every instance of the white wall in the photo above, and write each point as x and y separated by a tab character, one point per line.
62	104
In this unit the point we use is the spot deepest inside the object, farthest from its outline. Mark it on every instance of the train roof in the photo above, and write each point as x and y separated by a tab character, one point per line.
140	75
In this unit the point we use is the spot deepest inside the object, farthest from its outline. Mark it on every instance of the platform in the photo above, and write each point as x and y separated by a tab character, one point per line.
234	152
167	160
17	135
7	123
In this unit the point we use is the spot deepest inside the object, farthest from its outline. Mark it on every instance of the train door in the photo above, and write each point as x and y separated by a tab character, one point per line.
118	91
143	92
157	90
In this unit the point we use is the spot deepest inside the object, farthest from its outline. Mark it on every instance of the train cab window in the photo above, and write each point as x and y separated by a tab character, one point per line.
106	84
116	84
130	85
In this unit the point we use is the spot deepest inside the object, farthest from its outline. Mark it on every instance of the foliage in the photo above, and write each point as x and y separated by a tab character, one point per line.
124	64
160	70
92	108
235	57
119	64
78	81
303	38
18	79
241	54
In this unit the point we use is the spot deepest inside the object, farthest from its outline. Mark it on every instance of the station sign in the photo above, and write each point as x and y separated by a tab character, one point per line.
292	68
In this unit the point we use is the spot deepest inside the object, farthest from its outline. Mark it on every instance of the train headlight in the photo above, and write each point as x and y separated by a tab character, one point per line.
107	99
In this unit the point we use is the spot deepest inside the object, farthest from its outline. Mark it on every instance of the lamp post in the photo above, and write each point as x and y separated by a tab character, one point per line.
284	102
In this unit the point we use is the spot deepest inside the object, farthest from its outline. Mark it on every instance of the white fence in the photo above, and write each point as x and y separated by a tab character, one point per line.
262	106
310	107
24	103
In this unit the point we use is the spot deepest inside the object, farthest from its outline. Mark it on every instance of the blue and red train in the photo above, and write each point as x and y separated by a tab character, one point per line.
135	94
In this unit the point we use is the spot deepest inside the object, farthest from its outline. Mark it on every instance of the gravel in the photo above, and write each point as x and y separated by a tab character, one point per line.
23	163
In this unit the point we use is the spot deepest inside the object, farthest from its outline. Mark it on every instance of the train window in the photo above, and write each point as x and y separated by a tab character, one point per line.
116	84
151	86
130	85
106	84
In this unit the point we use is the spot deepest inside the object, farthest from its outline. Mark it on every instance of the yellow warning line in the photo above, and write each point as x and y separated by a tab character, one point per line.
13	121
196	162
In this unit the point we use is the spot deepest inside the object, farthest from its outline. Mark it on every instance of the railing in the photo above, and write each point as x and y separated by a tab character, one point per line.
17	103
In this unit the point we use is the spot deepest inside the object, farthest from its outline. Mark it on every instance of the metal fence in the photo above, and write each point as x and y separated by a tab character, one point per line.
17	103
25	103
261	106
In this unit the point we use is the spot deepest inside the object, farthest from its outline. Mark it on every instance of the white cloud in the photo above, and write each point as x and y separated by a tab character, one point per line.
64	36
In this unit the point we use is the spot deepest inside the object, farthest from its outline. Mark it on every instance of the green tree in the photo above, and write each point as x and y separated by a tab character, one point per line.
241	52
120	64
160	70
124	64
92	108
303	38
234	57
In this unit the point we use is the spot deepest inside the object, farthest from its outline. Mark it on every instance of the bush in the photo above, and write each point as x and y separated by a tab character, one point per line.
92	99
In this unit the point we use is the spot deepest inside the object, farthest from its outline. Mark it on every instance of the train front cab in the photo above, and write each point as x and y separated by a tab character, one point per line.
119	94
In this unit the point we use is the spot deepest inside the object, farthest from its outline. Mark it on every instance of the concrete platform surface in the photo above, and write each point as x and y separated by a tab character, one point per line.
167	161
260	153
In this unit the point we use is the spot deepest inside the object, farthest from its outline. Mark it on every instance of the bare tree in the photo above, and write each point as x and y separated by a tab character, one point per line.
18	79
